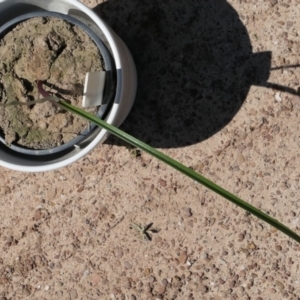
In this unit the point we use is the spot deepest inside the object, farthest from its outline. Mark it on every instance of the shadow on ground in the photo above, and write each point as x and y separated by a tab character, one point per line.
195	66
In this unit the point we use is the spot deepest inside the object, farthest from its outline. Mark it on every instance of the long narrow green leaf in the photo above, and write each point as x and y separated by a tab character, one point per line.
181	168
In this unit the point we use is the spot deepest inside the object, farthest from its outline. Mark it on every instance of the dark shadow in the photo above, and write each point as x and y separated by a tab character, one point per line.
280	87
286	67
195	66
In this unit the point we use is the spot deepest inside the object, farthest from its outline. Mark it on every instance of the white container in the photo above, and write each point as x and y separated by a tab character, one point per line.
125	89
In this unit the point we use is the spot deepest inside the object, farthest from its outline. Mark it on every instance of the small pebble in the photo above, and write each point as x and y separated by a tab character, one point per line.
73	294
242	273
147	271
119	253
240	159
160	289
51	193
79	259
279	285
26	292
4	190
51	265
272	291
203	288
115	291
182	257
277	97
80	189
77	175
127	265
59	294
162	182
187	212
241	237
95	279
59	283
278	247
268	234
290	288
148	295
165	281
37	215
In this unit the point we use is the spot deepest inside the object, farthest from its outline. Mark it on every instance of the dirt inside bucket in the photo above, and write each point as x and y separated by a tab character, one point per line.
58	53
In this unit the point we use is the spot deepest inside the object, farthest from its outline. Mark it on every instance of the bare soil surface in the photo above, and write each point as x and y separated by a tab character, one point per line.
58	53
68	234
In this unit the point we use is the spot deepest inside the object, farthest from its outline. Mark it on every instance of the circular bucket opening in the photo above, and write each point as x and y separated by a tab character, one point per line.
124	90
110	81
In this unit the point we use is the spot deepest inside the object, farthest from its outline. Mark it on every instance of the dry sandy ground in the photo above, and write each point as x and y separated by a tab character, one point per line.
202	98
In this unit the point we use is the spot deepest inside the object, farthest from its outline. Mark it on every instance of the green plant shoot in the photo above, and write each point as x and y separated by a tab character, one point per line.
173	163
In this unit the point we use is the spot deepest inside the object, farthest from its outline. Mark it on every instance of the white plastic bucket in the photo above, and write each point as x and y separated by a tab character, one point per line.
125	88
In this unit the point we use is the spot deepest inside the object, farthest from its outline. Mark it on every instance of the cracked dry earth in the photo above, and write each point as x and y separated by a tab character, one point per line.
68	234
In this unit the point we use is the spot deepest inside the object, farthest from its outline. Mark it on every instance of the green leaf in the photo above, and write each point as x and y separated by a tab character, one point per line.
181	168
